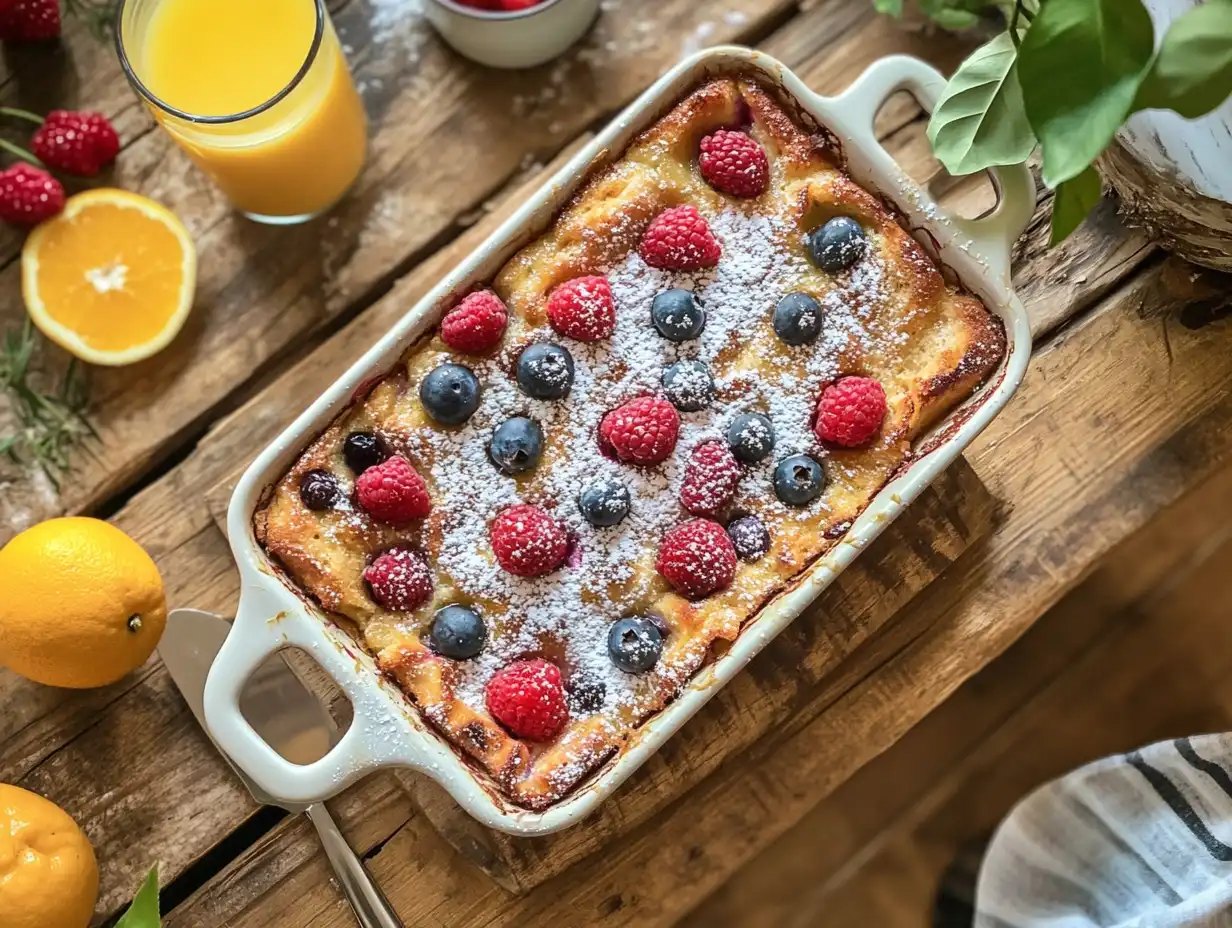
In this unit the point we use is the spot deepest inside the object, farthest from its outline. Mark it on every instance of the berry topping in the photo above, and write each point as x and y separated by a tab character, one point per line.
28	195
634	644
475	325
751	437
733	163
642	431
393	492
29	20
678	315
697	558
362	450
583	308
750	536
711	479
586	694
679	239
838	244
516	445
797	319
604	503
77	143
319	490
528	699
458	633
450	394
527	541
400	580
688	385
850	411
798	480
545	371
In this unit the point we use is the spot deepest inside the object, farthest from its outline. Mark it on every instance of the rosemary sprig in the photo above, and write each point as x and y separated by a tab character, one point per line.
98	16
48	424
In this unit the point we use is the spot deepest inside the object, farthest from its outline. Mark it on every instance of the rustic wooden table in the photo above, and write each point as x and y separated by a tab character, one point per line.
1125	408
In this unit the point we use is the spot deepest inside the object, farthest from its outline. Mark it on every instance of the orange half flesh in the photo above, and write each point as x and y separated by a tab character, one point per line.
111	279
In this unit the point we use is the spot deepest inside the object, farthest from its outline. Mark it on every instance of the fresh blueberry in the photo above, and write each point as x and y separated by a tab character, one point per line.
838	244
585	694
362	450
688	385
751	437
450	394
750	537
798	480
604	503
516	445
678	315
319	490
545	371
797	319
634	644
457	632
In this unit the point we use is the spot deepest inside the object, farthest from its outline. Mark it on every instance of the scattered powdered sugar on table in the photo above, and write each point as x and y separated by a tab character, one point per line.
573	606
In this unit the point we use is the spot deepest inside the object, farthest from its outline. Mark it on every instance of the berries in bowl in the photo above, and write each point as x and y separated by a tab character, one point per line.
511	33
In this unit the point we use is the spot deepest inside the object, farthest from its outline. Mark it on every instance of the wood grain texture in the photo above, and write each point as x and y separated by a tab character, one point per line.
797	873
445	136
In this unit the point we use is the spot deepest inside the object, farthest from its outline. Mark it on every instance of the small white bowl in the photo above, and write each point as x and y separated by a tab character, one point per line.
519	39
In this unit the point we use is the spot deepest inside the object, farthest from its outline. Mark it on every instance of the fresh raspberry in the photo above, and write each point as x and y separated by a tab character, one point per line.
29	195
400	580
642	431
30	21
393	492
77	143
510	6
528	698
476	324
527	541
583	308
711	479
679	239
850	411
697	558
731	162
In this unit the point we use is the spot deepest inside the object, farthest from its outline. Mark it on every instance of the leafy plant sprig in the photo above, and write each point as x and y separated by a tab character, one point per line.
143	912
1065	75
98	16
48	424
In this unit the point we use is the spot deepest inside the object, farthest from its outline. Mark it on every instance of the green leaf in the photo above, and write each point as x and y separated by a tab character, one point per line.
979	120
143	913
893	7
1192	73
1073	200
1080	65
954	14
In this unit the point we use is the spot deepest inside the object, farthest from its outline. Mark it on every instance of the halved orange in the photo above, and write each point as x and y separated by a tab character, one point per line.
110	279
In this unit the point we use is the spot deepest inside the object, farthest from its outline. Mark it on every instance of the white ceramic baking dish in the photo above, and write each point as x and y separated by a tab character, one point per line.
387	729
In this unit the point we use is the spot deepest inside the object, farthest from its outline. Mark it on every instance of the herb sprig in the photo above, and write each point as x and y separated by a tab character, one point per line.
48	424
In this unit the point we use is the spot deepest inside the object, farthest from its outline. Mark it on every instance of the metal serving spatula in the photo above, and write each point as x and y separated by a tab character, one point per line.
292	721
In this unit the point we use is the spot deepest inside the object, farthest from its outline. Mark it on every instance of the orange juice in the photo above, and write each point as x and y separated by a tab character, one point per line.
257	92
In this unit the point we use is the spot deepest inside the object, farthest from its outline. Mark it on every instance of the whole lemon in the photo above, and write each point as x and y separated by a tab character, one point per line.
48	874
83	604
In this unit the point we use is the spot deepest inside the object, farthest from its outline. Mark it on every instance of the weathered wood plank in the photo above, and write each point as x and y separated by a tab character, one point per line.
1080	469
1161	670
790	879
446	135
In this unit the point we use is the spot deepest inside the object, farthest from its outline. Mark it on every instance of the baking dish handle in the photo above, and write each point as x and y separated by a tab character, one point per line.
994	234
263	627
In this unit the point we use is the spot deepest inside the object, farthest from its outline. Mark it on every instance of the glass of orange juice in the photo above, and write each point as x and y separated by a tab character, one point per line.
257	92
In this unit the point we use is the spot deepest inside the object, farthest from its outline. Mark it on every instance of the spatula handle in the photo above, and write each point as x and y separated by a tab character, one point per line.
371	908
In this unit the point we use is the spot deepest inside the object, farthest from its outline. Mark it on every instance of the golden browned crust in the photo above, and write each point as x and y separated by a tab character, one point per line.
898	320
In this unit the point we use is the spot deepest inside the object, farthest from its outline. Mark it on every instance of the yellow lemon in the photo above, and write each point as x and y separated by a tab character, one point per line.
48	874
111	278
83	603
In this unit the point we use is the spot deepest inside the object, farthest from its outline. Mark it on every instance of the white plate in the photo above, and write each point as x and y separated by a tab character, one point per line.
387	729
